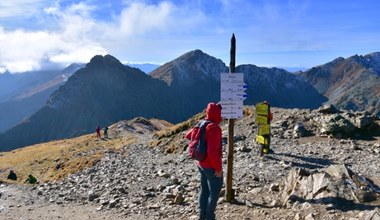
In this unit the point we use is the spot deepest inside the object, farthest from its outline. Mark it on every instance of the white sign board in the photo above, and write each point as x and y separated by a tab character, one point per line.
232	95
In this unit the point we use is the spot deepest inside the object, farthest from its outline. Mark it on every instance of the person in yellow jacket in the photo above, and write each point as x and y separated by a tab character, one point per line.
263	118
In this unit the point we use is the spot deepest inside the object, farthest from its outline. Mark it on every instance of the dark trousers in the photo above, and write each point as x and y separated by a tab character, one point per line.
209	194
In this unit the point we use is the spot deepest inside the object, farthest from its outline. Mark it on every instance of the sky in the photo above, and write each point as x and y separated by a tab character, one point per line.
42	34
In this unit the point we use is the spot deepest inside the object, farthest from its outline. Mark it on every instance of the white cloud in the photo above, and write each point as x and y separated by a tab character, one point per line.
136	33
74	54
2	69
35	32
140	18
19	8
77	36
23	50
141	31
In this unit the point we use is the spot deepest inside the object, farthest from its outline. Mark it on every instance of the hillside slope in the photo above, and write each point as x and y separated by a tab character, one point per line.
352	83
23	94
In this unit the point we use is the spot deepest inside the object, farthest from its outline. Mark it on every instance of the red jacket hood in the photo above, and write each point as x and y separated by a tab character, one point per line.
214	112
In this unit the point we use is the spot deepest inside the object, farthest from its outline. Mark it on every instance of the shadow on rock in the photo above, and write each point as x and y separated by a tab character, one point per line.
306	162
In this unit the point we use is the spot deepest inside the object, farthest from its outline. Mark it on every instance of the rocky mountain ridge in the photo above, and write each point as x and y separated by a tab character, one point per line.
106	91
282	89
195	77
352	83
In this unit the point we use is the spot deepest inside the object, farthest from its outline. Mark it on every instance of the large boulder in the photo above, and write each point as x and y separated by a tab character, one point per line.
328	109
299	130
345	124
338	126
363	120
337	185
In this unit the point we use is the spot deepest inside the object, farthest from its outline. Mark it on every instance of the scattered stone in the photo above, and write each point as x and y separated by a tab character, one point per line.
161	173
310	216
113	203
299	131
297	216
327	109
370	215
178	200
364	121
274	188
92	196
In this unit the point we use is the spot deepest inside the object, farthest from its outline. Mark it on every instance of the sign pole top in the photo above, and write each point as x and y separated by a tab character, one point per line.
232	54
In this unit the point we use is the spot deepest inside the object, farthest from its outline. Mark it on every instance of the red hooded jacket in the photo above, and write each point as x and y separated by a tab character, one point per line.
213	138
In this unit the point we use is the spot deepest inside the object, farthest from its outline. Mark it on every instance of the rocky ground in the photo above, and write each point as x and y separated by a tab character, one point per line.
144	182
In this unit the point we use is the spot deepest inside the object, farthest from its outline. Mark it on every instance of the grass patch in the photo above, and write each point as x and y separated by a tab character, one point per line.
56	159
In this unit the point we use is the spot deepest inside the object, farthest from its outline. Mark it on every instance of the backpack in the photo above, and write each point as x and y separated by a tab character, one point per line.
197	148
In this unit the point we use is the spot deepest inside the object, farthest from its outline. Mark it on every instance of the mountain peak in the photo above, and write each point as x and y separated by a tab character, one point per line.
336	60
106	60
190	67
196	52
194	56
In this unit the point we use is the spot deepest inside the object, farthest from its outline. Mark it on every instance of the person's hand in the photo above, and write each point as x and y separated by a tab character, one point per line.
219	174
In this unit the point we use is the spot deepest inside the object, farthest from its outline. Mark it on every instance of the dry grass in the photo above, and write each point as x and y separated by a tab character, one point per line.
178	128
170	139
56	159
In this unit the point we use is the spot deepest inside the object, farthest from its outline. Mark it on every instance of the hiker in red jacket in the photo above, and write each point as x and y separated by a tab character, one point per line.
210	169
98	131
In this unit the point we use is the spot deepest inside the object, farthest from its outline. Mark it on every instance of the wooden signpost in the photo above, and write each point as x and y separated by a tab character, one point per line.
230	153
232	95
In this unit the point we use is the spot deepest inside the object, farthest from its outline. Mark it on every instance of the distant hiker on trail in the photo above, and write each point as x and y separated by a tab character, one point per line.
210	169
98	131
105	132
263	118
12	175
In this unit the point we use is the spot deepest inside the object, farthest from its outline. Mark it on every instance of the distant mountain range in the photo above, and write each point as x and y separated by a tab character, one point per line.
294	69
352	83
105	91
23	94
